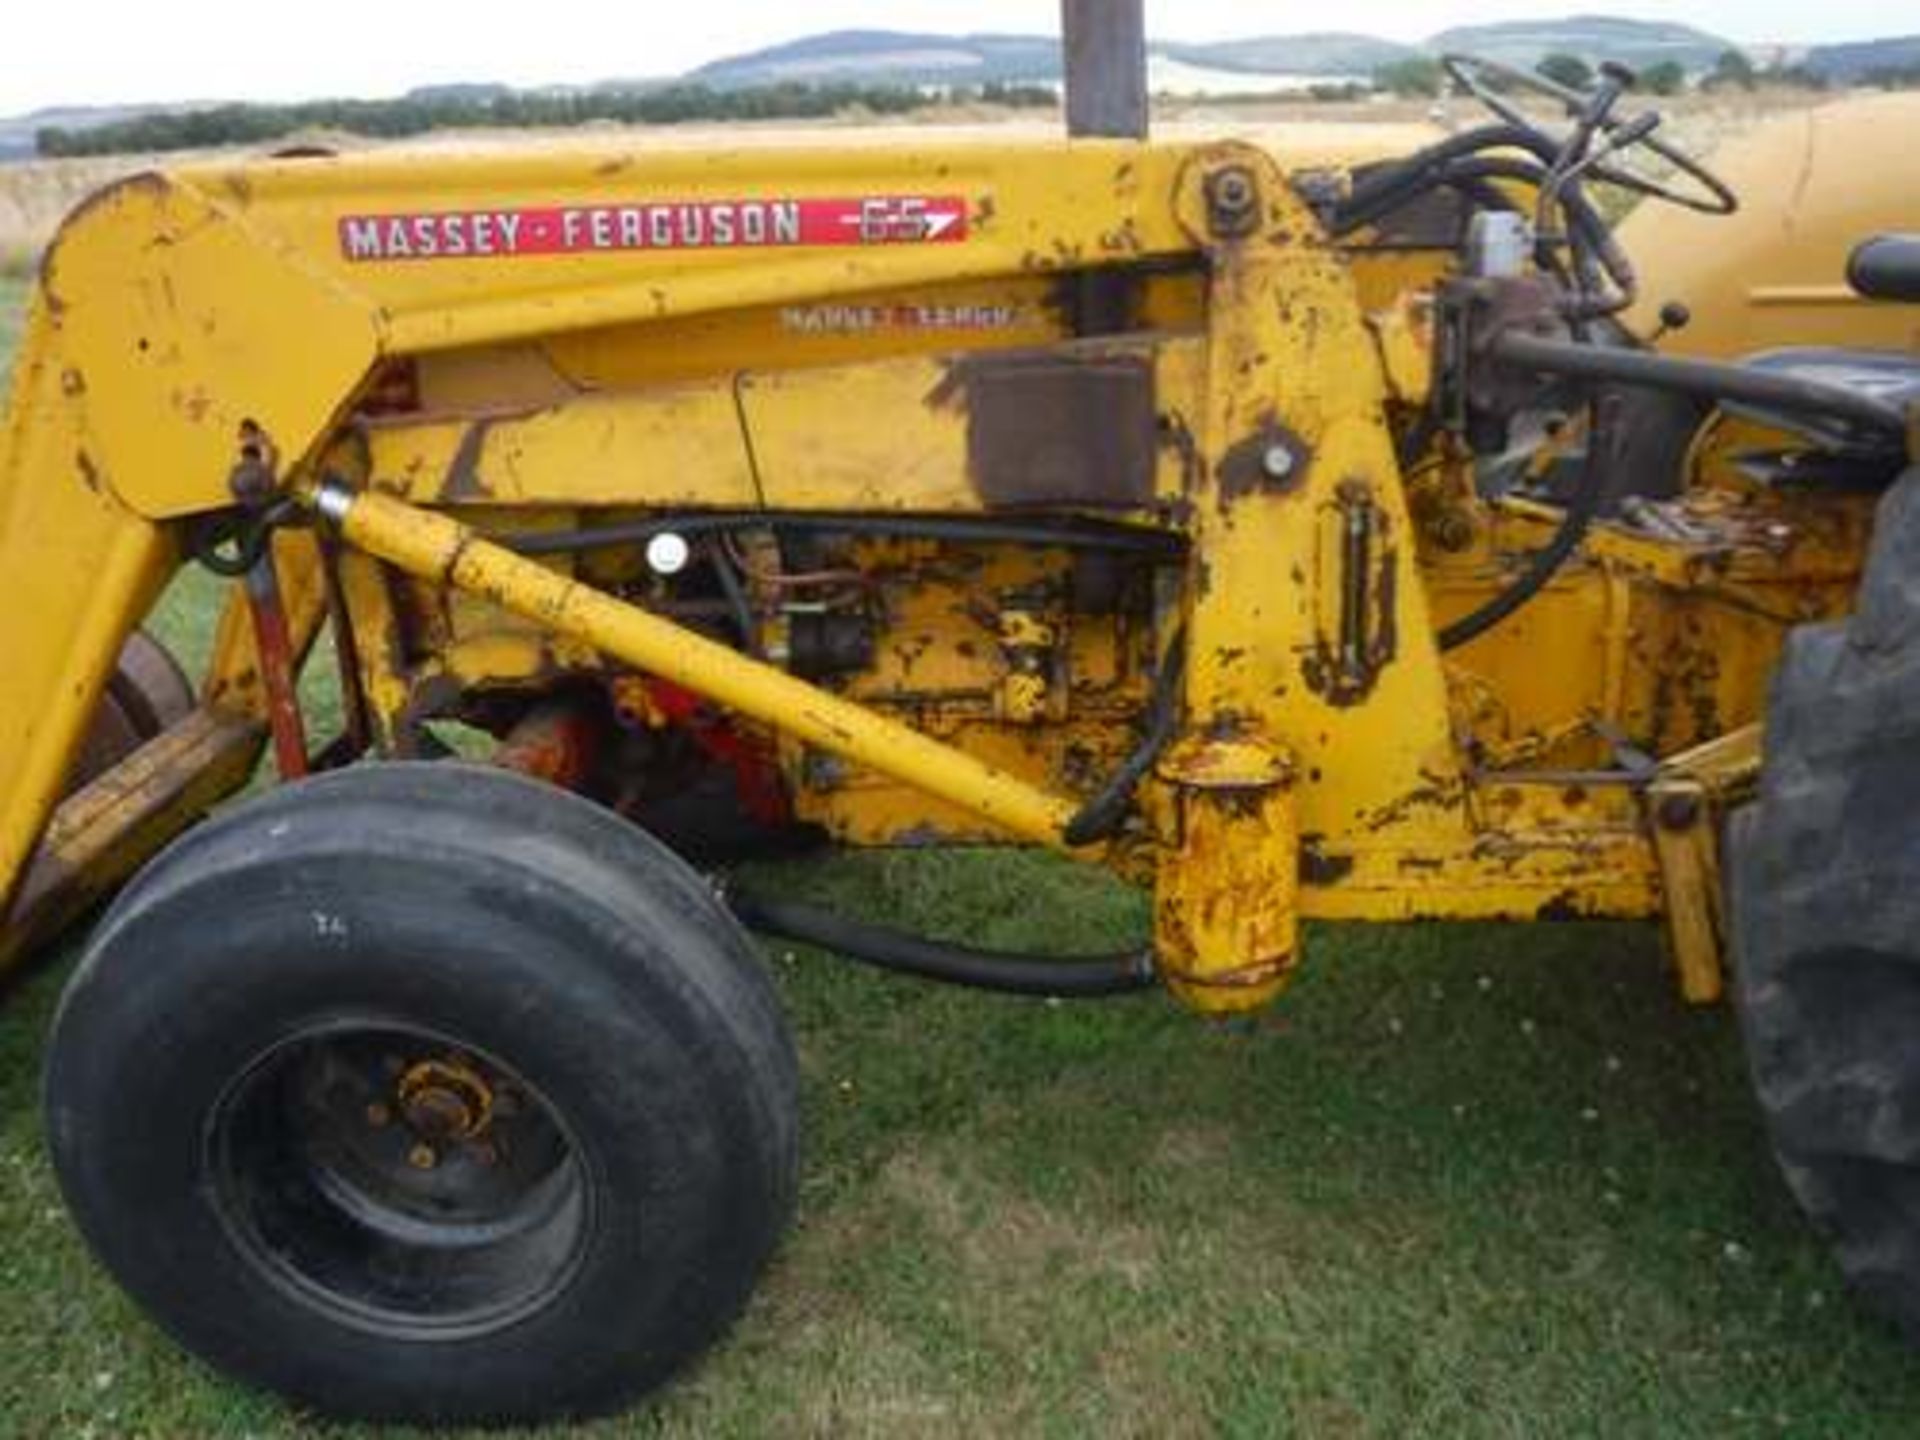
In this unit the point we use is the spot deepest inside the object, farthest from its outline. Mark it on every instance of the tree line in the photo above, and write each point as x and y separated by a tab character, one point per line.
487	107
1420	77
476	108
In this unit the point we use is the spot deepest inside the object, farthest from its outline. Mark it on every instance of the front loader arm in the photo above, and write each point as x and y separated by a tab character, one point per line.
628	333
161	324
82	569
177	310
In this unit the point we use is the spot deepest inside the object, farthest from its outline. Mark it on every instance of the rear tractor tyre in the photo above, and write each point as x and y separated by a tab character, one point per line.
1825	872
427	1093
147	692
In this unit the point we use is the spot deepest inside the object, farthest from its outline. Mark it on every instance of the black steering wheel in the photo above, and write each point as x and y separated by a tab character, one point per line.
1488	81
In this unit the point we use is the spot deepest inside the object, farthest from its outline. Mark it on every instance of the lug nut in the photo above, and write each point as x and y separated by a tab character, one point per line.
423	1157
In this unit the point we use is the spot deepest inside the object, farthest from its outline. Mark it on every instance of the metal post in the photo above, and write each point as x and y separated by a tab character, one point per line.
1106	67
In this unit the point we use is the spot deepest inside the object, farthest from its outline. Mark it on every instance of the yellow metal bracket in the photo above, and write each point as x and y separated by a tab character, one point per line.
1686	804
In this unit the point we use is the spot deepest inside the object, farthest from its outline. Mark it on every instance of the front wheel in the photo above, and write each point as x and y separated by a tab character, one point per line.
1827	922
427	1093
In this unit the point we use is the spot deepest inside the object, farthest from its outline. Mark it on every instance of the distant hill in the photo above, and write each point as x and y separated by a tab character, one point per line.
17	131
1268	64
1846	63
889	57
458	94
894	57
1318	54
1592	37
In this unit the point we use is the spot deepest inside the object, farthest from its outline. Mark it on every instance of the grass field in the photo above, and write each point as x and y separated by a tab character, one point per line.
1465	1181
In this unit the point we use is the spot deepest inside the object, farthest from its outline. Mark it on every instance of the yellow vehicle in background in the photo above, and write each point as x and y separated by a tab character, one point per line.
1258	518
1811	182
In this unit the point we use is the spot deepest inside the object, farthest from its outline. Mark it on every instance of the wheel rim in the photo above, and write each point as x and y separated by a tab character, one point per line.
404	1183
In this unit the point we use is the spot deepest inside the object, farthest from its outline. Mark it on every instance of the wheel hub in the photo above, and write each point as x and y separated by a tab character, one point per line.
446	1101
398	1179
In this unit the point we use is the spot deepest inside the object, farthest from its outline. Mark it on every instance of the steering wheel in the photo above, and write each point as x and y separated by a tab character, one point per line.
1485	80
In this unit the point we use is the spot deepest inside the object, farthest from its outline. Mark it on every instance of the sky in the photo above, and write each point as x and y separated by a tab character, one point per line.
64	52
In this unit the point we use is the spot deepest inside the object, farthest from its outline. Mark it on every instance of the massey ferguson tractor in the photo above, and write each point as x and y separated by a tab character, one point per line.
1329	522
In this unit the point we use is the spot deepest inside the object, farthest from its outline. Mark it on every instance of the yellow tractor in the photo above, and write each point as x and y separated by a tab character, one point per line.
1269	519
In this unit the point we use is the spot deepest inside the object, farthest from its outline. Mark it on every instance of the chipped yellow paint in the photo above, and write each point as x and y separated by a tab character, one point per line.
1330	763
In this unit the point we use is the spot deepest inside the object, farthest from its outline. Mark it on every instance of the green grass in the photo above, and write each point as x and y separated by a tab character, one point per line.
1466	1180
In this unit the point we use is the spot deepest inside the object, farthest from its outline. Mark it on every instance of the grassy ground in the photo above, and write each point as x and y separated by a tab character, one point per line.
1465	1181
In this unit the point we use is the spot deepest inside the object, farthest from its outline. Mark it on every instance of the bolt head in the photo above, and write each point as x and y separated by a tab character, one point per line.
1452	532
1679	812
1233	189
1278	462
423	1157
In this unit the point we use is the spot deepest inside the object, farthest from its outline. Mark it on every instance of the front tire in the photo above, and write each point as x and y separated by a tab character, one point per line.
427	1093
1826	906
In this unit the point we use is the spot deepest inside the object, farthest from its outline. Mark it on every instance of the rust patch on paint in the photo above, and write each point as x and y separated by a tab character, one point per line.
1052	428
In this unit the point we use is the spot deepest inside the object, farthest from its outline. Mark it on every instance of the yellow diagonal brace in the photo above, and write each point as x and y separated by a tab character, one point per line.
445	552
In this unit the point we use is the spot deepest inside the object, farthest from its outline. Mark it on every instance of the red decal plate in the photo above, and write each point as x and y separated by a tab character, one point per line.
655	225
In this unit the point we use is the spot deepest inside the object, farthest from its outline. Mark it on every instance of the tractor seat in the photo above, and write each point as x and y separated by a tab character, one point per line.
1889	376
1886	267
1849	457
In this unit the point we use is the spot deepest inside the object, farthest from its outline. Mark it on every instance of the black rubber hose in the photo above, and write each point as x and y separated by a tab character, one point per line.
1709	379
737	603
1589	236
1111	538
1581	512
1471	171
1053	977
1102	814
1415	172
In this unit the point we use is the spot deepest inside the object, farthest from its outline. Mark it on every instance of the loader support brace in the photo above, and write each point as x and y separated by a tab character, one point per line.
274	644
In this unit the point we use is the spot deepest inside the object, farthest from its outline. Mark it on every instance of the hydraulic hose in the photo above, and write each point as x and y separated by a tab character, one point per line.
1595	250
1465	157
1416	171
1054	977
1117	539
1102	814
1581	512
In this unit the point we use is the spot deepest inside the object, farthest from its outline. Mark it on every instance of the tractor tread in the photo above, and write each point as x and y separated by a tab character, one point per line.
1827	924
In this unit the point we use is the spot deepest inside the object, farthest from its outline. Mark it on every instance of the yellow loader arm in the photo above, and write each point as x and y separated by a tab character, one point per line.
453	350
187	321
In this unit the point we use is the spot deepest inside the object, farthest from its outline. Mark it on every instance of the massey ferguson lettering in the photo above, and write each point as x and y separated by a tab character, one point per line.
679	225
